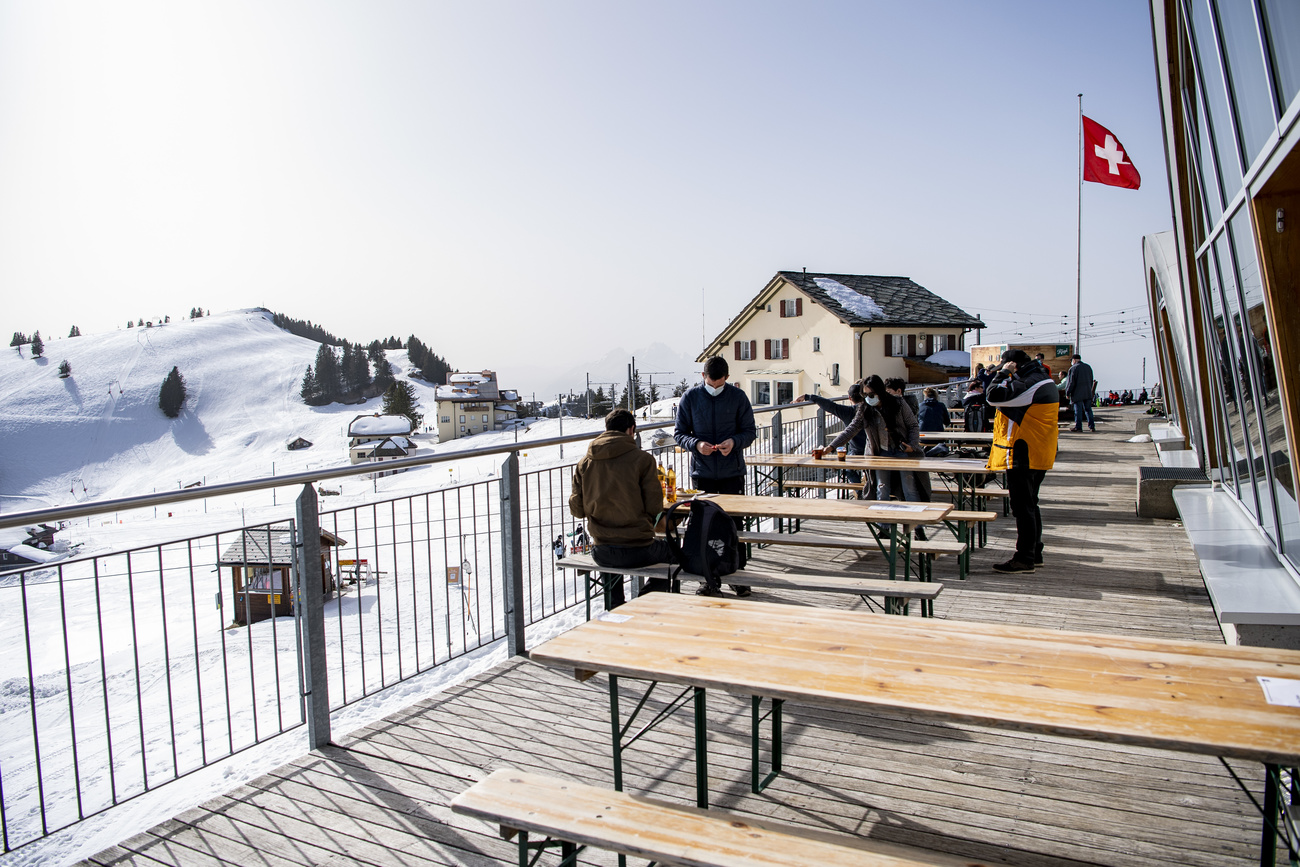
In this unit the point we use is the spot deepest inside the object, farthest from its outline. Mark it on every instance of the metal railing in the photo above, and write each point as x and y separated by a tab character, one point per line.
132	668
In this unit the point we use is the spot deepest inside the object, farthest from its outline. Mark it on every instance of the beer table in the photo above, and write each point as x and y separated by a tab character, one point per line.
957	436
1187	696
962	469
868	512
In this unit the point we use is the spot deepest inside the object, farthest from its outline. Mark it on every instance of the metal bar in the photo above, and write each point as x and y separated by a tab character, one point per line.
167	661
313	638
701	749
756	701
511	557
72	711
31	699
379	601
618	735
295	567
135	653
198	671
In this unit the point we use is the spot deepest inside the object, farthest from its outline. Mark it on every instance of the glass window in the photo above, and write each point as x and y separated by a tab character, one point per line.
898	344
1211	77
1242	404
835	374
1267	404
762	393
1250	91
784	392
1212	304
1282	32
744	350
485	418
462	419
817	344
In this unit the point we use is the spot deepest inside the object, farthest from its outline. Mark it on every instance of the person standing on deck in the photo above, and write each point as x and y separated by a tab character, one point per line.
1024	445
857	445
715	423
1078	391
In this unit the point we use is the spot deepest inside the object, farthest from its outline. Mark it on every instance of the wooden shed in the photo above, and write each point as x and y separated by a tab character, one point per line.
260	561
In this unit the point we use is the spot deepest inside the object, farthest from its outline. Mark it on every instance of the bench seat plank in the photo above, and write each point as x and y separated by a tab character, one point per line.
866	543
648	828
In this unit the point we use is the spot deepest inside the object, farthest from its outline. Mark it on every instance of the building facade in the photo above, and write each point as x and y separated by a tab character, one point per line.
472	403
1222	285
818	333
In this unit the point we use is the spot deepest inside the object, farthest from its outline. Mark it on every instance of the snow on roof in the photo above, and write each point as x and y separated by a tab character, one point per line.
854	302
379	425
468	377
950	358
35	555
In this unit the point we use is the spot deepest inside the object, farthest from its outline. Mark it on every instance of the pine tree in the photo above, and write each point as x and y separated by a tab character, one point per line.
38	345
19	340
400	399
328	382
130	324
140	321
383	370
75	332
65	369
171	397
681	388
310	390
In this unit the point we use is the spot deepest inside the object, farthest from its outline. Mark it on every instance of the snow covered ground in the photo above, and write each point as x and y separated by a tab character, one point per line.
124	635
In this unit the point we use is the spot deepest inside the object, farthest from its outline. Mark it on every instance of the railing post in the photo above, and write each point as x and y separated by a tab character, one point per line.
310	597
778	435
512	556
821	426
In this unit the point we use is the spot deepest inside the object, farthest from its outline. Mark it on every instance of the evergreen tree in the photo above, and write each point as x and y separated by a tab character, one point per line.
680	388
600	403
65	369
75	332
383	370
130	324
654	392
38	345
167	318
329	384
171	397
356	368
139	321
19	340
310	391
400	399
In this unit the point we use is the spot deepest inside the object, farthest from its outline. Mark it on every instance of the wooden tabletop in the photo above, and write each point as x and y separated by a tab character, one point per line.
956	436
828	509
933	465
1200	697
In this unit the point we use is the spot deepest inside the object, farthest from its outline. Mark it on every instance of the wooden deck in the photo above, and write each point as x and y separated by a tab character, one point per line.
380	796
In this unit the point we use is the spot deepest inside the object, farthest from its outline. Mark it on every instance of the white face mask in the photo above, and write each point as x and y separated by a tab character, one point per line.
714	391
873	401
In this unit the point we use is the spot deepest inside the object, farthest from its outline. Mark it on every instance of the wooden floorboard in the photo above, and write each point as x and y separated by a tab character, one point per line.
380	795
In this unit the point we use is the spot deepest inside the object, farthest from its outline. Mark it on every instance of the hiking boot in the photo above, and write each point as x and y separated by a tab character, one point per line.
1038	559
706	590
1013	565
741	591
919	533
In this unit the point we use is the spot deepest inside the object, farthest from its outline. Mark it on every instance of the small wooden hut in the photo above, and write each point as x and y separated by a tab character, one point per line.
260	560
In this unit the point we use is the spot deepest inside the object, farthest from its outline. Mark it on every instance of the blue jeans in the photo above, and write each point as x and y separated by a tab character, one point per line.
911	490
1082	408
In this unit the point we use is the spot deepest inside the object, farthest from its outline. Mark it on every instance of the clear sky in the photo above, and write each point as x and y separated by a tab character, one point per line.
527	185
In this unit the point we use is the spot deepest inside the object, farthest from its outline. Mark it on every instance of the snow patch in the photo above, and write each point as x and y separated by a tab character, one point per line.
860	305
950	358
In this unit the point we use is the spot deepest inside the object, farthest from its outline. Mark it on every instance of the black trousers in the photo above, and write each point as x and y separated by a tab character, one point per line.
1023	485
630	557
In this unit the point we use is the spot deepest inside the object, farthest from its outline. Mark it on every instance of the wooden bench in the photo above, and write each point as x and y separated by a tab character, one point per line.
895	593
926	550
571	816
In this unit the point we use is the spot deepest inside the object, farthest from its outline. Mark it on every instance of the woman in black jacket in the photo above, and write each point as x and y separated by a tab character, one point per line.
891	430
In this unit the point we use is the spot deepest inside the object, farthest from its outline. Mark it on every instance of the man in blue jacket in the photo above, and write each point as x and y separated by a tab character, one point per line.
715	423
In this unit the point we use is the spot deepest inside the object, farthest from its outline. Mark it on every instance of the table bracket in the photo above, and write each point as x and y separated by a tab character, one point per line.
1275	809
774	713
697	695
568	851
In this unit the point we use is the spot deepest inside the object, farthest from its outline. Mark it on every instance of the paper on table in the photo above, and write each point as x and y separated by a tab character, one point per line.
1281	690
899	507
611	617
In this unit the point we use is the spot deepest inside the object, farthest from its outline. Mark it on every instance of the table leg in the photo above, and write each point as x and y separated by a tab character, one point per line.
756	703
701	750
618	732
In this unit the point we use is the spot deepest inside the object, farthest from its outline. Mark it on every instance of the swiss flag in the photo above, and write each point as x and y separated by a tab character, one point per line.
1104	160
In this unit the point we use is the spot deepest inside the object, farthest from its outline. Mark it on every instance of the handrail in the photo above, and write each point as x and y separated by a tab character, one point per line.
99	507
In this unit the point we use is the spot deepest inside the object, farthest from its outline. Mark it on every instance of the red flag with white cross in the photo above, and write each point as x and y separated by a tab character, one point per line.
1104	159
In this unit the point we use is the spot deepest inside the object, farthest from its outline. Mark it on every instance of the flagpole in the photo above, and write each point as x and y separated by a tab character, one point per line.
1078	241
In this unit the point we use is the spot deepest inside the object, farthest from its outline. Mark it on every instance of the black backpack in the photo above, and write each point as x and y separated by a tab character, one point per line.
710	547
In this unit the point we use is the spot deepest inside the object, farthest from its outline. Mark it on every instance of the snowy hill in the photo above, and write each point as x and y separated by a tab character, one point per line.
99	433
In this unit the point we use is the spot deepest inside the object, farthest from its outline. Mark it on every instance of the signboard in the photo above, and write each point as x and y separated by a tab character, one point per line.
1056	356
453	575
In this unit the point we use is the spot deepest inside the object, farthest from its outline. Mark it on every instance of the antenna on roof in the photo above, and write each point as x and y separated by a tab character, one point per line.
805	269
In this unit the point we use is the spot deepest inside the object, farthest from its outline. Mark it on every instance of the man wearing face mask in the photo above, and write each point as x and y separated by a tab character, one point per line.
715	423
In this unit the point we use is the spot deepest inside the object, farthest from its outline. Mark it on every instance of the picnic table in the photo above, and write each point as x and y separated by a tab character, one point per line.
957	436
871	513
964	470
1187	696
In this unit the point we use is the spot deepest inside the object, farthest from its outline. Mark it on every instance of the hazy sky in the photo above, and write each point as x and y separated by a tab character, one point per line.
527	185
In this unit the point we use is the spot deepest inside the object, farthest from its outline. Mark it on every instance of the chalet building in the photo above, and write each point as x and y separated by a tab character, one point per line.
472	403
260	562
818	333
379	437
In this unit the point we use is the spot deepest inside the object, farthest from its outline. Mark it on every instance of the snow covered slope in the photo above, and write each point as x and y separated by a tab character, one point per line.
99	433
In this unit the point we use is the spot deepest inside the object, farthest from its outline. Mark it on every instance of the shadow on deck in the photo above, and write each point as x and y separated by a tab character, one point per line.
380	795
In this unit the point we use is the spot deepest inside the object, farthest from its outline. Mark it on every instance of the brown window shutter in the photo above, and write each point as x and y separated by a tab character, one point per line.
798	307
781	304
737	350
911	345
929	345
889	345
753	349
767	349
785	347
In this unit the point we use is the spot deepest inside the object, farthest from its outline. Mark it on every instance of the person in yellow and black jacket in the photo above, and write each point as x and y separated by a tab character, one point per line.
1024	444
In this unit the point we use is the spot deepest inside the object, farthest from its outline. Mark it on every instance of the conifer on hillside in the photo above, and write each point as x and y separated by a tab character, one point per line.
65	369
38	345
75	332
400	399
329	385
171	397
310	390
20	340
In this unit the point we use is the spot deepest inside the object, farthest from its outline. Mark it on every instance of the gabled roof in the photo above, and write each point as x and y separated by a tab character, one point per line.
897	300
251	546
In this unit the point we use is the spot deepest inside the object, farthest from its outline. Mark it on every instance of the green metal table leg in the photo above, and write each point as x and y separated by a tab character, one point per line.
756	703
701	751
523	849
618	733
1268	837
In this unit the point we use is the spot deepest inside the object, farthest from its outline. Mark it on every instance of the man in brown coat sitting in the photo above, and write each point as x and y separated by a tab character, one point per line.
616	488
